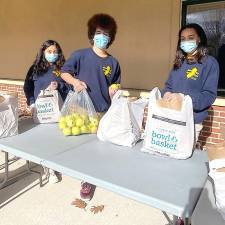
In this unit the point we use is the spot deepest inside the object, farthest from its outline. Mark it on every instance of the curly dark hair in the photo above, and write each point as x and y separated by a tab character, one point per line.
202	49
41	65
104	22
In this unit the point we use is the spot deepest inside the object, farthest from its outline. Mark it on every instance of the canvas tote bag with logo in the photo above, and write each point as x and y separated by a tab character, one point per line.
169	132
47	107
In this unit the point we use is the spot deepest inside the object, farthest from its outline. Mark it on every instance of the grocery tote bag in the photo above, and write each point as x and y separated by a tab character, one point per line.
8	114
119	124
47	107
169	132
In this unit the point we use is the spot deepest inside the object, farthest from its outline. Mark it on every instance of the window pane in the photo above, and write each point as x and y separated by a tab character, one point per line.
211	16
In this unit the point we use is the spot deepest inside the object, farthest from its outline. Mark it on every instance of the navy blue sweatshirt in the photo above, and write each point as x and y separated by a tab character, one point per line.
98	73
199	81
35	83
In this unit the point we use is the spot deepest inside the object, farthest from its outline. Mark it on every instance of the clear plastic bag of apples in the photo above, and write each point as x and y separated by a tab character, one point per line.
78	115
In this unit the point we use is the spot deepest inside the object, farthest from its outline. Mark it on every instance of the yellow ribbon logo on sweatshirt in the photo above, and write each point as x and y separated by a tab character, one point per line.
192	74
107	70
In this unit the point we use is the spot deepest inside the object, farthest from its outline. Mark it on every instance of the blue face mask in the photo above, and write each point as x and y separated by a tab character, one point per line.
101	41
188	46
51	57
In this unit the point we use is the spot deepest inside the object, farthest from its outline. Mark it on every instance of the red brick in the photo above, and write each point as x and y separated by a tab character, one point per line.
215	130
208	129
219	119
222	114
208	134
208	118
215	140
210	124
204	139
221	136
213	113
219	108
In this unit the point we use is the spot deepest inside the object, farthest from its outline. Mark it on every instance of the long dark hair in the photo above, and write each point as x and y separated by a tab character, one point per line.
202	49
41	65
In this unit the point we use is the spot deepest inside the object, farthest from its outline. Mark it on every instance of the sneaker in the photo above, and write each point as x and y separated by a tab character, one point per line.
87	191
53	178
198	146
180	222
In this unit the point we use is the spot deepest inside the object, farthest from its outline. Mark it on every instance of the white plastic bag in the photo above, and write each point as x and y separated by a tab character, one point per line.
78	115
47	107
137	108
169	132
216	154
119	125
8	114
219	183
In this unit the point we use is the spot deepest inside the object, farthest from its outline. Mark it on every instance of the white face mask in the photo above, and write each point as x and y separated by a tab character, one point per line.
188	46
51	57
101	41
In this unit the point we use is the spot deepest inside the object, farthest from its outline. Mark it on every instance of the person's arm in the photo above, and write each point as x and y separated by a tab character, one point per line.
207	96
76	83
167	91
115	80
69	68
29	87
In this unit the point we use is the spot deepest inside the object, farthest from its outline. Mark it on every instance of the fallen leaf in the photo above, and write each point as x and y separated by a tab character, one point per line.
79	203
97	209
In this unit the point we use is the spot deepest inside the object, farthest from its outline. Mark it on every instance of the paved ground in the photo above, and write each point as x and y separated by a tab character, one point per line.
25	203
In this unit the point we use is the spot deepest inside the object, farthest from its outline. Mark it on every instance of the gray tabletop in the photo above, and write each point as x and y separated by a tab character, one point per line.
206	212
167	184
37	142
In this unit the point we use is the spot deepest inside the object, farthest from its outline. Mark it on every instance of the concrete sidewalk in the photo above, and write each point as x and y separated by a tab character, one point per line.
25	203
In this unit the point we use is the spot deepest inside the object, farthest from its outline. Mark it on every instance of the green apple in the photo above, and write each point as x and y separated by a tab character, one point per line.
84	129
84	116
86	122
94	121
62	119
115	86
79	122
62	124
75	115
70	122
76	131
68	117
93	129
67	131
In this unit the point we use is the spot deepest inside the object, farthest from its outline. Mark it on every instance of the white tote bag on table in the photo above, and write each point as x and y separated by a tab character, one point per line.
169	132
8	114
216	154
47	107
119	125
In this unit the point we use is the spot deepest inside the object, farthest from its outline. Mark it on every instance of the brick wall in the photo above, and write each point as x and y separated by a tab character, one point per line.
211	132
19	90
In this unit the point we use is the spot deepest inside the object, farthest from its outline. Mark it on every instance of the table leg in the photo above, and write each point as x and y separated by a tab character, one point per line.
175	219
167	217
34	171
6	175
180	221
7	181
187	221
